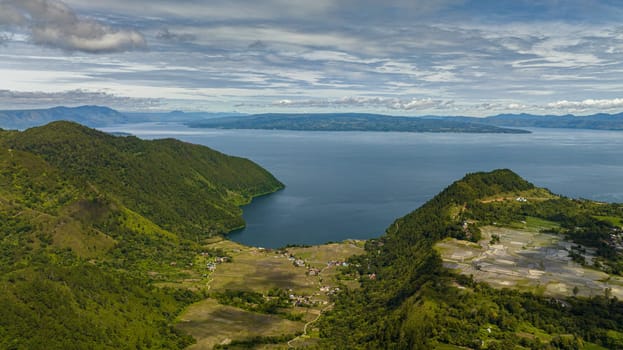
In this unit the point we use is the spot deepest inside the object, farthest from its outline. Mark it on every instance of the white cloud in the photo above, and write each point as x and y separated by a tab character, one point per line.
614	103
240	36
334	56
309	54
10	99
367	101
52	23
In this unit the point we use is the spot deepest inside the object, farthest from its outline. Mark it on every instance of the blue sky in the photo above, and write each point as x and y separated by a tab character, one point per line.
402	57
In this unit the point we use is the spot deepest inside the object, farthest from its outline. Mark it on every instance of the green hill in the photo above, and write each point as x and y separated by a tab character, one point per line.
150	177
89	220
409	300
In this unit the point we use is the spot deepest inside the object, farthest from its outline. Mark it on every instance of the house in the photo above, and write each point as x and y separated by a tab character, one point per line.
313	272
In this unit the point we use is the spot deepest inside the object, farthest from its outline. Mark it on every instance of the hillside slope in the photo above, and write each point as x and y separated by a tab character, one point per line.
150	177
409	300
88	221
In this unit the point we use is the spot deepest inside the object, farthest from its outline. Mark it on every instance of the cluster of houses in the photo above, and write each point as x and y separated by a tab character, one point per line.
337	263
296	262
211	265
302	300
330	290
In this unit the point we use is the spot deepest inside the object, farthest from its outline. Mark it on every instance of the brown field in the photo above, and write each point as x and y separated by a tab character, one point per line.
528	260
259	270
212	323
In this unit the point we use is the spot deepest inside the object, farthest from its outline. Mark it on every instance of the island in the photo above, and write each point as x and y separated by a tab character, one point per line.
350	122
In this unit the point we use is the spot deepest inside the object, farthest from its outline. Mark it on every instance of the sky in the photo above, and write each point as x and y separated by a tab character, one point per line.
399	57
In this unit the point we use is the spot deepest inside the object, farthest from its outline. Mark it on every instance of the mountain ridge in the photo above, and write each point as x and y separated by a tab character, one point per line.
98	116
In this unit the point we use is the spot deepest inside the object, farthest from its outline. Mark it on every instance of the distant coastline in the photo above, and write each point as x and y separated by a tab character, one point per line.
99	116
351	122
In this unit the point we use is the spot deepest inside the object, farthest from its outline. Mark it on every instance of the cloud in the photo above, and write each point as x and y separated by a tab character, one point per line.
9	15
367	102
257	45
165	34
10	99
52	23
426	105
587	104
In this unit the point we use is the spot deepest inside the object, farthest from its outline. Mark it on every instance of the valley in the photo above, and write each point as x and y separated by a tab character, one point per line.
304	278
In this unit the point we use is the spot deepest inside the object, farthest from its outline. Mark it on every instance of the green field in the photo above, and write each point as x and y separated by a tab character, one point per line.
538	224
616	221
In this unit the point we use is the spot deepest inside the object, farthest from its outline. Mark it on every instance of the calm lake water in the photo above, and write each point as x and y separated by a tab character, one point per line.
355	184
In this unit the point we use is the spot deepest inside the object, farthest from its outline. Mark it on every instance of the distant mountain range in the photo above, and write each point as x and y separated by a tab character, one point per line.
93	116
97	116
351	122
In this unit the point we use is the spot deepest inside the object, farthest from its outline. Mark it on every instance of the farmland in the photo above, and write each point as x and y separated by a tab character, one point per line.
305	276
528	260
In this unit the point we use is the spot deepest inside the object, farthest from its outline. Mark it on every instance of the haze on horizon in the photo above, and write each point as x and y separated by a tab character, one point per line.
409	57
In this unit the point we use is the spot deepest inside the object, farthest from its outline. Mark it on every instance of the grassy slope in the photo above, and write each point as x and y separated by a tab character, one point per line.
83	217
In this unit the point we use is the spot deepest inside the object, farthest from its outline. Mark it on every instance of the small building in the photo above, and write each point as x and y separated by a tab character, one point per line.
313	272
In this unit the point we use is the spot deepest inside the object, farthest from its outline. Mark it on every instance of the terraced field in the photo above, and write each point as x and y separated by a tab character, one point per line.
528	260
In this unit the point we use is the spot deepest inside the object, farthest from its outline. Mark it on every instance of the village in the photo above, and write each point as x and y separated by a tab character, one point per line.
307	275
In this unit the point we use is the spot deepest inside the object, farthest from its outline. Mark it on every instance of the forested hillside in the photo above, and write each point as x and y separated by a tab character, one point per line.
408	300
89	220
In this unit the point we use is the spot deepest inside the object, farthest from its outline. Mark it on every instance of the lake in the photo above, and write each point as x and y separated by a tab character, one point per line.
355	184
